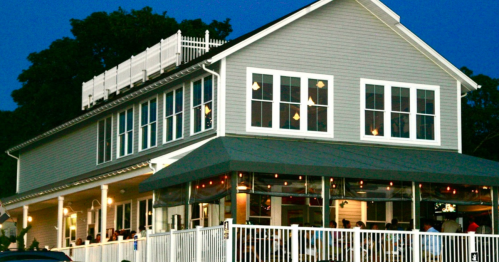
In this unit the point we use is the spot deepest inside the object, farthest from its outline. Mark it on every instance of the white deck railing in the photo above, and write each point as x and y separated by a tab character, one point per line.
250	243
168	53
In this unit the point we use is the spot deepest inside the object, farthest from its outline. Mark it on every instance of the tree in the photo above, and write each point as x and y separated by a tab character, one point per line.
480	118
51	87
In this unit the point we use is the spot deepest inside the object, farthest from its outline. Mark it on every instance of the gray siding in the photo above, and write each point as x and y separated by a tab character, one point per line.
73	152
345	40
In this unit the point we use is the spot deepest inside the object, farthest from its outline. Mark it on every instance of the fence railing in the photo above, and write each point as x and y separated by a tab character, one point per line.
168	53
252	243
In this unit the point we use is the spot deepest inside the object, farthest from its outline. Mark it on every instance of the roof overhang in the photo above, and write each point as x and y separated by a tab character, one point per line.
228	154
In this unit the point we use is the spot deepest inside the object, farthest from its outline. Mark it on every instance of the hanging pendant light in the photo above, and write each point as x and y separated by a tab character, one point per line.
296	116
310	101
255	86
320	84
207	110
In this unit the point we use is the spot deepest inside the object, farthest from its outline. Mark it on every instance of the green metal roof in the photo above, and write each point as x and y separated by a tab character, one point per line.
227	154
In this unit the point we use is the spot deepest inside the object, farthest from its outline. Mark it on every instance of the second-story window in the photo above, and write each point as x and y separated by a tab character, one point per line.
104	140
289	109
425	115
202	104
174	106
318	105
148	124
125	132
261	100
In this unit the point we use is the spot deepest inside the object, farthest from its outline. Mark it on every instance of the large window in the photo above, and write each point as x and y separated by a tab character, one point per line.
399	112
174	106
123	216
104	140
145	213
148	124
284	102
125	132
202	104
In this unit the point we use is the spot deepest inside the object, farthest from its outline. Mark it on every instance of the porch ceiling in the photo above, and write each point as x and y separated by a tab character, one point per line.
228	154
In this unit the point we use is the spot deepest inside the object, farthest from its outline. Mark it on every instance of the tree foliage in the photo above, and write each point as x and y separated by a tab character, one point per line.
51	87
480	118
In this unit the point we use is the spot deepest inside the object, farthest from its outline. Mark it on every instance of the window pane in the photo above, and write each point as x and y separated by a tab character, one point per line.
153	134
128	214
208	111
374	123
284	116
259	205
145	114
285	89
179	101
268	87
400	125
142	213
196	97
179	125
208	89
426	101
122	122
129	120
149	212
108	140
322	119
312	118
100	150
256	113
169	104
376	211
375	97
425	127
122	145
256	86
266	114
169	129
400	99
153	111
119	217
195	211
197	119
317	91
130	142
144	137
295	89
290	116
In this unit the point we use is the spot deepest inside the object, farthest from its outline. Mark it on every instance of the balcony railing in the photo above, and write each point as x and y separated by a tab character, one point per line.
253	243
155	60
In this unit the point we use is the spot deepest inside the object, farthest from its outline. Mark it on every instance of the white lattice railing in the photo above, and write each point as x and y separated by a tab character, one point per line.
168	53
252	243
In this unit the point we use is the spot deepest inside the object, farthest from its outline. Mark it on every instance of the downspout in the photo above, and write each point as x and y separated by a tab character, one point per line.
218	96
152	168
18	169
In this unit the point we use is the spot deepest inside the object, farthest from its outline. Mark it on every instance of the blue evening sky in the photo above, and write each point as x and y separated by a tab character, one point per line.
465	32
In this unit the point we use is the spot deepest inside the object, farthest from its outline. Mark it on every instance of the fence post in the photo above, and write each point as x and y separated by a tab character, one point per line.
207	41
356	244
148	246
173	250
179	47
294	243
228	241
415	245
199	243
87	251
120	248
471	243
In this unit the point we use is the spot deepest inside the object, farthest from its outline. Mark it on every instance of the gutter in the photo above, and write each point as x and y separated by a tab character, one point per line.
18	170
219	94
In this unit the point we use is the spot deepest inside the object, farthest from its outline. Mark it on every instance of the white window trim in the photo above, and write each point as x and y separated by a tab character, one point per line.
276	100
116	213
126	137
203	115
174	90
140	124
386	138
138	211
97	148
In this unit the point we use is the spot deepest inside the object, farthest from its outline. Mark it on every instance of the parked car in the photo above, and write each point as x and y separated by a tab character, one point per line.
33	256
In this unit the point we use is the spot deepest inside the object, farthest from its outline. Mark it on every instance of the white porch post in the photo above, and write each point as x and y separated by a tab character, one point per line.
25	222
294	243
60	217
356	244
103	210
415	245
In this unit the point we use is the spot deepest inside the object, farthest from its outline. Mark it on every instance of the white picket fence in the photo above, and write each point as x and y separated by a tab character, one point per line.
170	52
252	243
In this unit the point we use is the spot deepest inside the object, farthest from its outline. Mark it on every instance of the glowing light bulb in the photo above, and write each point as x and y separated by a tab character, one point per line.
223	182
331	180
255	86
285	183
240	174
276	175
320	84
65	211
361	182
448	188
310	101
299	177
296	116
375	132
211	182
268	186
391	183
207	110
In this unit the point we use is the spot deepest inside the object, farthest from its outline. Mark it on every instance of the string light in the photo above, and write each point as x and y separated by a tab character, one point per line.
420	185
268	186
391	183
276	175
299	177
361	182
454	192
334	186
203	185
448	188
387	188
331	180
223	182
197	187
361	186
285	183
240	174
211	182
225	177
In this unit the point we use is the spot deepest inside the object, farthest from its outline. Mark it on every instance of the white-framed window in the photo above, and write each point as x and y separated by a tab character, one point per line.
174	115
400	112
125	132
70	229
123	216
104	139
285	102
199	215
148	123
202	104
145	212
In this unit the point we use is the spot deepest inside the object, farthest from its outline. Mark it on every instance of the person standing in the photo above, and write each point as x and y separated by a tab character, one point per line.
473	225
451	226
431	244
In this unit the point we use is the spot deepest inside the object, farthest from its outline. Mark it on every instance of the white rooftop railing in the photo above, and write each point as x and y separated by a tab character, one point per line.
167	54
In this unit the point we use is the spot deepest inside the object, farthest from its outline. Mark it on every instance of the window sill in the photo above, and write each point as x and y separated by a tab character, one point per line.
145	149
174	140
400	140
120	157
200	132
104	162
266	130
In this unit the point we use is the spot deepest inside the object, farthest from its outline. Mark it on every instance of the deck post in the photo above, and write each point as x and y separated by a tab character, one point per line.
149	245
179	47
415	245
326	187
60	218
173	250
228	242
120	248
495	209
87	250
294	243
416	205
199	243
233	196
25	224
186	209
356	244
207	41
471	243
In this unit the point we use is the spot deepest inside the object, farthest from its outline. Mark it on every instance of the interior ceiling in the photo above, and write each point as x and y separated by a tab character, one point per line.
92	193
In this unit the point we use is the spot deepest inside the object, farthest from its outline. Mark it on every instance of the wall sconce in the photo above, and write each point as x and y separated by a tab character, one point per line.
30	219
109	202
69	208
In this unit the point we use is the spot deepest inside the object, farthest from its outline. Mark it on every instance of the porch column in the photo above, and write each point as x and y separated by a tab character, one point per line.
60	217
233	197
416	205
186	209
103	210
495	211
25	222
326	187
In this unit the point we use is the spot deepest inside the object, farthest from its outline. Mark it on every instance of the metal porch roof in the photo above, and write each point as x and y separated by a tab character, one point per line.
226	154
